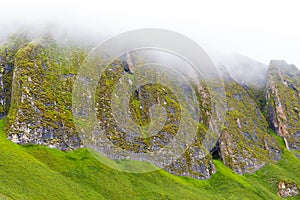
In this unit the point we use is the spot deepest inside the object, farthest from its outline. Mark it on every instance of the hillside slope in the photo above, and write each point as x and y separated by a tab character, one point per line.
36	82
37	172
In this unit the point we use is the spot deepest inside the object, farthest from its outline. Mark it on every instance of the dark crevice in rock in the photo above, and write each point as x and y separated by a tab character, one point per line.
215	152
127	63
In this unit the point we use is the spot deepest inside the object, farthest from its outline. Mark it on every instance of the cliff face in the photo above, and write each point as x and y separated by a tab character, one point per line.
245	144
195	161
7	59
36	81
283	102
40	110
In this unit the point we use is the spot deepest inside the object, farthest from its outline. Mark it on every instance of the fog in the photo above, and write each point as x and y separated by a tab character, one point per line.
242	68
260	30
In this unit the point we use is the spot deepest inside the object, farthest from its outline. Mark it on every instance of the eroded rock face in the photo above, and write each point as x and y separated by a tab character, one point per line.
194	162
127	63
283	102
190	165
287	189
40	110
7	59
245	144
38	78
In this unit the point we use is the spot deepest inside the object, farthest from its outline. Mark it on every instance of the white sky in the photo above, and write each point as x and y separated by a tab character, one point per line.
262	30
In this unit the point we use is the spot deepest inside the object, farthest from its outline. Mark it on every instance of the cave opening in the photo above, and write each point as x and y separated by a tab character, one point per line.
215	152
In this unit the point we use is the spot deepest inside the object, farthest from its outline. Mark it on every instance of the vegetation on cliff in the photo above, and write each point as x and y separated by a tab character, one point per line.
36	83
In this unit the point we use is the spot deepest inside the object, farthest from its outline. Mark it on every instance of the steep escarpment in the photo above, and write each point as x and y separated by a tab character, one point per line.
36	82
7	59
245	144
117	83
40	110
283	102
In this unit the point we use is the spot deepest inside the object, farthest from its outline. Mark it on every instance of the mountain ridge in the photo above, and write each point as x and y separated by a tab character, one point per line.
39	117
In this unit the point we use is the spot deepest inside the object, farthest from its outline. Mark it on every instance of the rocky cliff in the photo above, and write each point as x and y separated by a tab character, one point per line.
283	102
40	107
36	82
7	59
245	144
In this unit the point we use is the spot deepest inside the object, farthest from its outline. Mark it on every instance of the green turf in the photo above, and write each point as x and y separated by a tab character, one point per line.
37	172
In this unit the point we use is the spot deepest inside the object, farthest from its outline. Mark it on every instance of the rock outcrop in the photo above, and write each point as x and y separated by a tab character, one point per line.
40	110
287	189
194	162
7	59
36	81
245	144
283	102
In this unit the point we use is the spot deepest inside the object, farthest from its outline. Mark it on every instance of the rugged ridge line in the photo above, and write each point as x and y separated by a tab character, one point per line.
36	81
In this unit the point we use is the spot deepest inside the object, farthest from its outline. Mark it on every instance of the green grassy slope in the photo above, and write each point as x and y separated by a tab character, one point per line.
24	177
37	172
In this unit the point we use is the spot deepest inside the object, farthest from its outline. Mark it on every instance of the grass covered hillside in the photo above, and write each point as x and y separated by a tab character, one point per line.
38	172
